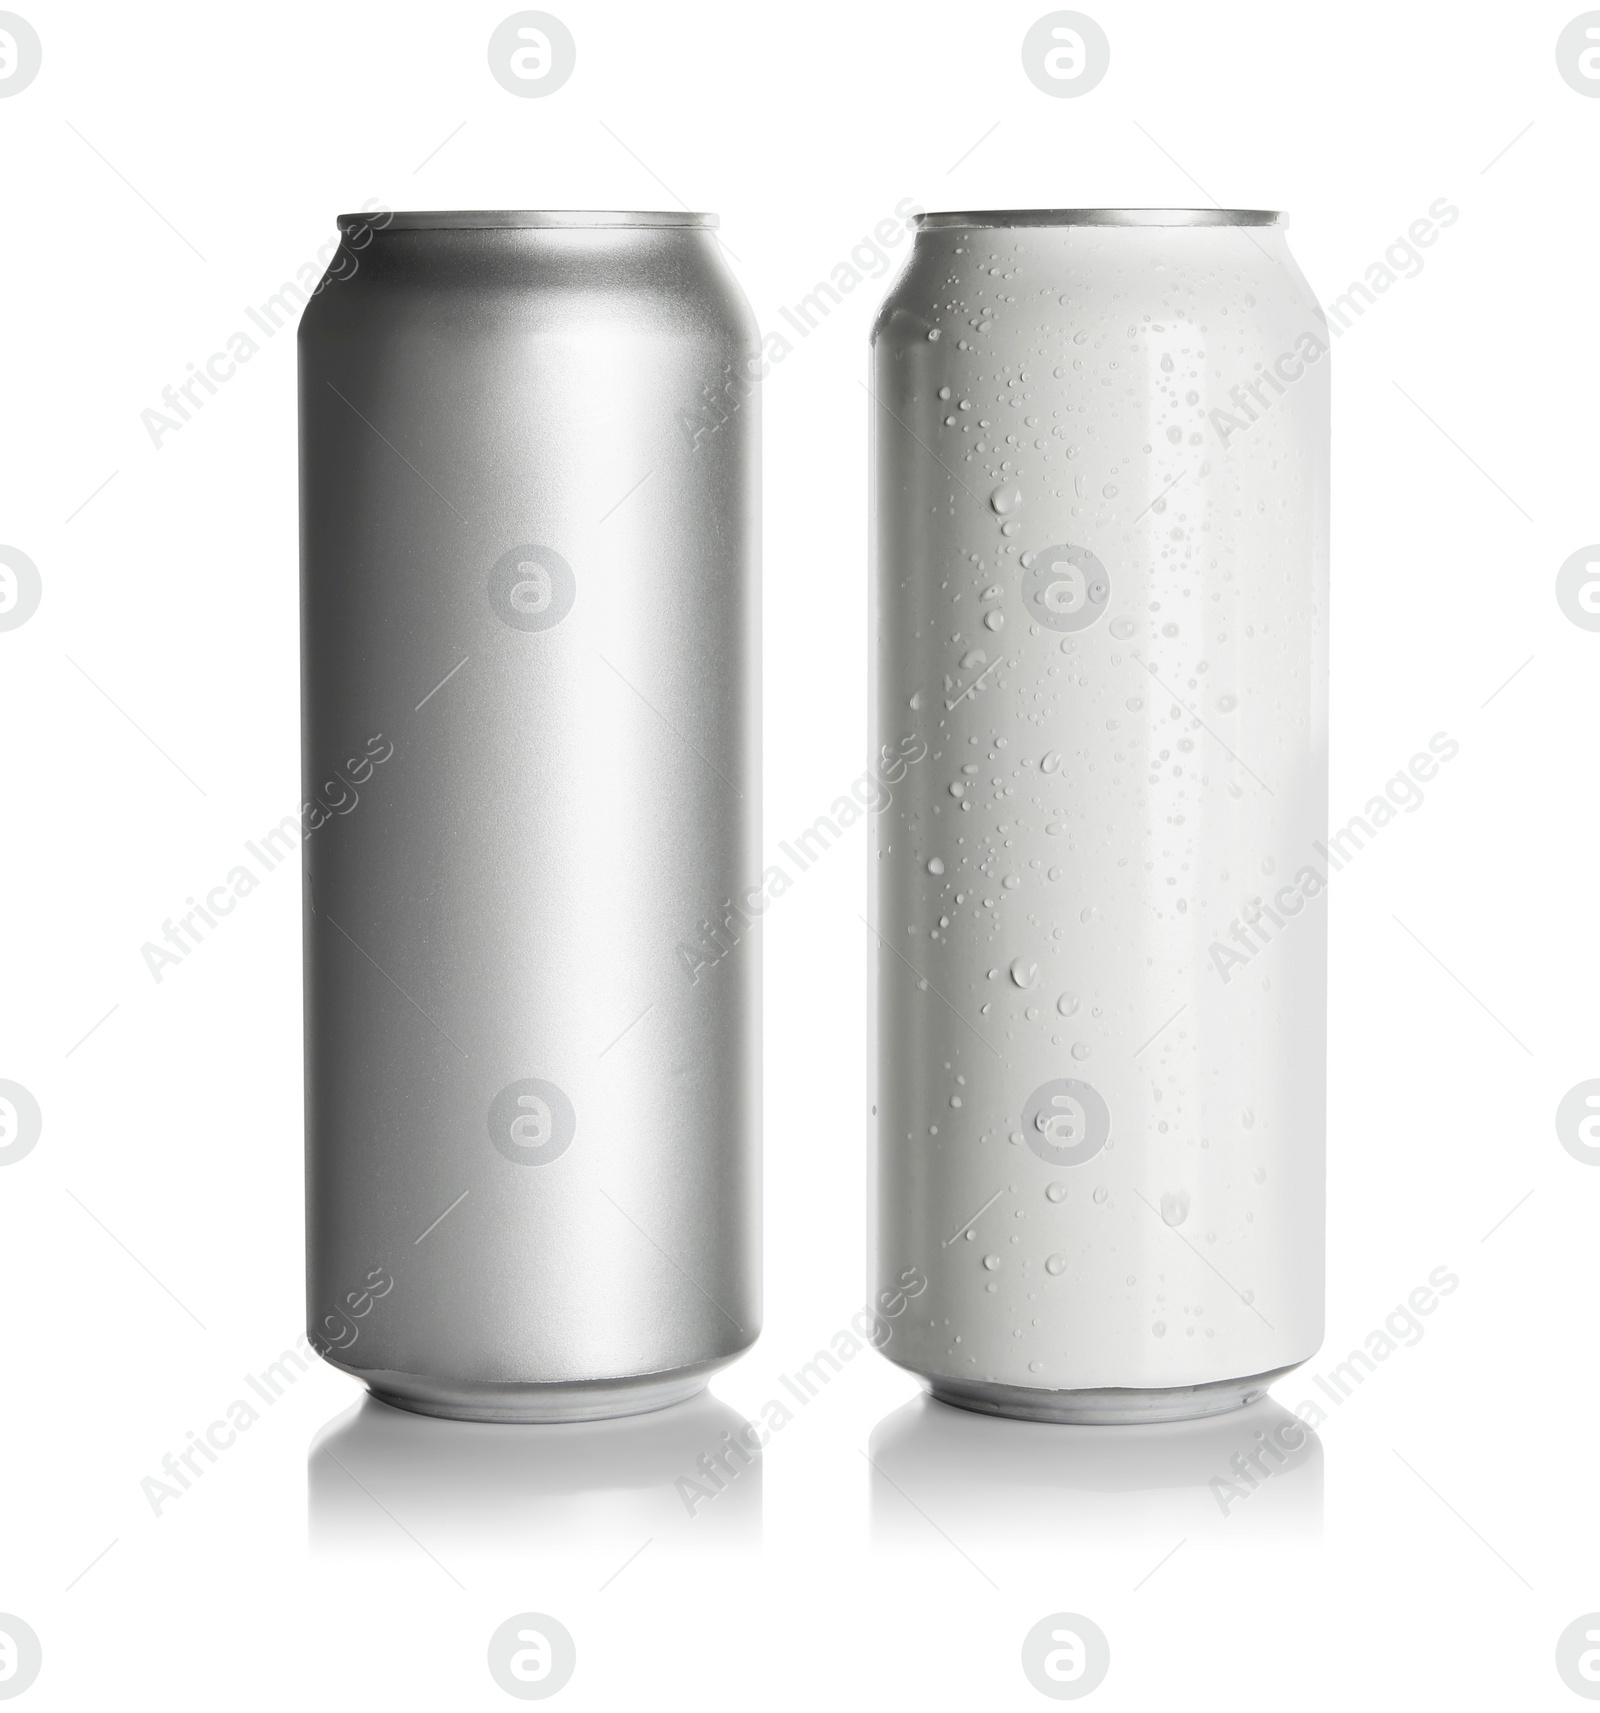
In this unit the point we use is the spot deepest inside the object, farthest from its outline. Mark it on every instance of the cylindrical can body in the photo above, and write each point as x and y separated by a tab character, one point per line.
531	742
1100	602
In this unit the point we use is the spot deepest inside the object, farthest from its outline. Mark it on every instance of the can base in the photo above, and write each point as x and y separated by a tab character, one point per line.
518	1402
1104	1406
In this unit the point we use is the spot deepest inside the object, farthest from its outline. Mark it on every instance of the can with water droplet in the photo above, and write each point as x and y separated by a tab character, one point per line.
1101	451
531	743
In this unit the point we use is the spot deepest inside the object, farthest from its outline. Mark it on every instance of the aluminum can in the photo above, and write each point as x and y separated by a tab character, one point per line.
1100	599
531	750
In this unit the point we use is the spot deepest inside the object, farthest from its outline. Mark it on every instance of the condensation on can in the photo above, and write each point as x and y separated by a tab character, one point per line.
1100	601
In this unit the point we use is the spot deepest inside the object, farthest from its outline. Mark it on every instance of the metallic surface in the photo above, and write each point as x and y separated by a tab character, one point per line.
523	219
1107	1406
1015	218
531	737
1100	595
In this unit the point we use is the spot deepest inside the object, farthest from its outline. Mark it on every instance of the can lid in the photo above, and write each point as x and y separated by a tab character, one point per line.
476	219
1108	217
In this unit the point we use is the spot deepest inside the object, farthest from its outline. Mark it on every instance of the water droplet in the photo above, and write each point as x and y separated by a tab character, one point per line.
1036	1366
1100	1193
1080	1049
991	1262
1160	1329
916	701
1023	973
1056	1191
1166	364
957	789
935	865
1248	1118
955	1100
1067	1005
1006	498
1122	629
1227	703
994	620
1260	1174
933	333
944	392
1051	761
1055	1265
1175	1207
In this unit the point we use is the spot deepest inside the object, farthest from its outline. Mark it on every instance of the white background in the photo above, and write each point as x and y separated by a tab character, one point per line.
1442	1536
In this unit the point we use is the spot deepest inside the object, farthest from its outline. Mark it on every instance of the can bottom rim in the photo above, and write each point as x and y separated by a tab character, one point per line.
529	1402
1105	1406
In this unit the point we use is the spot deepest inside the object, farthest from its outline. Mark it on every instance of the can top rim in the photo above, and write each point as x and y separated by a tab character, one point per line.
475	219
1107	217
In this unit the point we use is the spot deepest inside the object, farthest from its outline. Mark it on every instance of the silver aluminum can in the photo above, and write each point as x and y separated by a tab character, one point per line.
531	744
1100	598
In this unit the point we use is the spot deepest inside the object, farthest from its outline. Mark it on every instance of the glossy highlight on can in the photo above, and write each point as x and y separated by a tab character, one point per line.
531	742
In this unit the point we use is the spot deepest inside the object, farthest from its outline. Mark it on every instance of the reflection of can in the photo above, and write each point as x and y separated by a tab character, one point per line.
530	613
1101	466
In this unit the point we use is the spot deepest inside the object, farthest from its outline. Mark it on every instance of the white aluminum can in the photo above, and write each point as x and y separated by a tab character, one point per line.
1100	597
